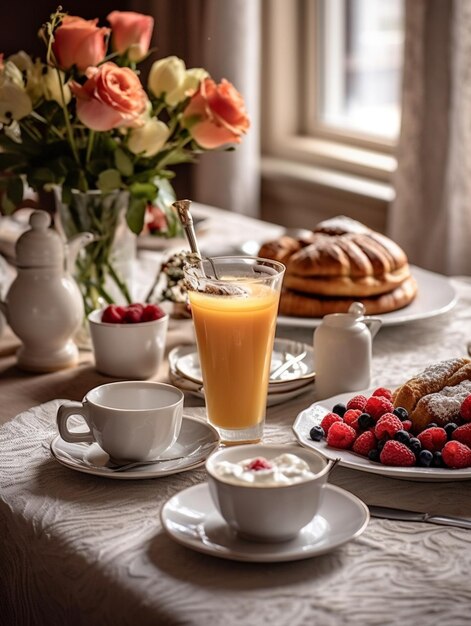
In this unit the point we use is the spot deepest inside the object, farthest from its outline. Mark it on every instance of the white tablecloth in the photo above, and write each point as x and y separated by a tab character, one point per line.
77	549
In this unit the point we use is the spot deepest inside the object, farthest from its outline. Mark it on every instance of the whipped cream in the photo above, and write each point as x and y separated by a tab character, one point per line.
286	469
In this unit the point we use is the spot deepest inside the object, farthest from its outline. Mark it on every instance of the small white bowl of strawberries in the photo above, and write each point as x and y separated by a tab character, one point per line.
128	341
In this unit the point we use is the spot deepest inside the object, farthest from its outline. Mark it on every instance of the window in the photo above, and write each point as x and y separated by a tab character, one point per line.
332	75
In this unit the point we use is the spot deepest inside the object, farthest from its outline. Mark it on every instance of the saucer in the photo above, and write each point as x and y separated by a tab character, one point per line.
196	441
190	518
292	359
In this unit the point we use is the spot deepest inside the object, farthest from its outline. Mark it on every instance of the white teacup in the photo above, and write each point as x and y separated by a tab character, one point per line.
130	420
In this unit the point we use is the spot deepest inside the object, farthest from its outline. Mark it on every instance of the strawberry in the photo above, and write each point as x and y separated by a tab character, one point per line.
465	410
463	434
357	402
260	463
341	435
351	418
152	312
133	314
397	454
383	392
456	455
433	439
364	443
377	406
388	424
113	314
328	420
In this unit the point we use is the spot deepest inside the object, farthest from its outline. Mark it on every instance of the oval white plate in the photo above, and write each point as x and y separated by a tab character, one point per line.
435	296
196	441
187	364
190	518
313	415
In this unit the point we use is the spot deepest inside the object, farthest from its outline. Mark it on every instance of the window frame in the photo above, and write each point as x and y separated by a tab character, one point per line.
286	132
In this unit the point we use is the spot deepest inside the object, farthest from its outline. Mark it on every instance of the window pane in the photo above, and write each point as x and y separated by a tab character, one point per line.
361	68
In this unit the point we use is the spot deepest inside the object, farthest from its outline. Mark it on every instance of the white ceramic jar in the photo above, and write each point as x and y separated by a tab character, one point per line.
342	351
43	306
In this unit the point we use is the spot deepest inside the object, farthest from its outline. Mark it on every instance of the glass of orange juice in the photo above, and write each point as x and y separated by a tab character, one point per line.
234	304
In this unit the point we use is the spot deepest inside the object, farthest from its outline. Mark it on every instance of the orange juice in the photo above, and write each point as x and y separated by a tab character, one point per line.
235	341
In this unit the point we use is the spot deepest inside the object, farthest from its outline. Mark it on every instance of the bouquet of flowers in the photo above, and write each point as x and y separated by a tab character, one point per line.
81	122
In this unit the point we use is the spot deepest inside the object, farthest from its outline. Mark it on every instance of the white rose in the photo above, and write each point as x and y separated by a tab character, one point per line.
22	60
12	74
149	138
51	86
166	75
14	102
189	85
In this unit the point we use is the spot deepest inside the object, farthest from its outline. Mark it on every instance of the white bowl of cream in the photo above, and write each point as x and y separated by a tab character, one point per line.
267	493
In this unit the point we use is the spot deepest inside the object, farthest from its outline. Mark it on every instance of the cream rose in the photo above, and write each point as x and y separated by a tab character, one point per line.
149	138
112	97
168	77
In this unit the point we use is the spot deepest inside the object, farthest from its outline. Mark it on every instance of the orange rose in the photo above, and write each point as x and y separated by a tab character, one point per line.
112	97
79	42
216	115
131	33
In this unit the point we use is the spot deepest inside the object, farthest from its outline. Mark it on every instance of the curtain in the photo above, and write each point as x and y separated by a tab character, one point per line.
431	215
223	36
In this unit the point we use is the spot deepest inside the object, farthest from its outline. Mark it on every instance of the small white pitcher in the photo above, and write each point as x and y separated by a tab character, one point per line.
342	351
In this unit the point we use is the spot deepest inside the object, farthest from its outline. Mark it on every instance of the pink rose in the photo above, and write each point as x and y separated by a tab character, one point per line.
131	33
216	115
79	42
112	97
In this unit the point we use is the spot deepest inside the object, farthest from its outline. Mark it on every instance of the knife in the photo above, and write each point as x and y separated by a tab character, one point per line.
415	516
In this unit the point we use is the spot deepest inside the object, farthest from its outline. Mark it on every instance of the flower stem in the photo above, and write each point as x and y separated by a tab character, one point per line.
91	138
70	133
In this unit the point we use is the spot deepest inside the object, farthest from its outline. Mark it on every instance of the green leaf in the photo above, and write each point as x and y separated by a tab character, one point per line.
148	191
15	190
109	180
136	213
123	162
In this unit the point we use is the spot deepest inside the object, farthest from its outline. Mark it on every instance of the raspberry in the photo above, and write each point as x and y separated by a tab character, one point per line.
383	393
113	314
463	434
456	455
397	454
433	439
406	425
357	402
133	314
377	406
260	463
388	424
465	410
364	443
152	312
351	418
328	420
341	435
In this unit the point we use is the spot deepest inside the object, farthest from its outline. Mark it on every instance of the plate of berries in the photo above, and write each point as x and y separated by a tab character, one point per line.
368	433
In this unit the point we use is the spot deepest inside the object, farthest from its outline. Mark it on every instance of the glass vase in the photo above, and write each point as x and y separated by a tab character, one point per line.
103	269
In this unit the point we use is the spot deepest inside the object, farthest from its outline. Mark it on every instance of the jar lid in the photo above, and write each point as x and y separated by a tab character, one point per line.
40	246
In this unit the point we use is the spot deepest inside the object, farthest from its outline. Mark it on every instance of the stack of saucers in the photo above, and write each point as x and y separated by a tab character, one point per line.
291	373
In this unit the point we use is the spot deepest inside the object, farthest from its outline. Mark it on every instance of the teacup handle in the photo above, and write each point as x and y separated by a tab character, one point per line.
65	411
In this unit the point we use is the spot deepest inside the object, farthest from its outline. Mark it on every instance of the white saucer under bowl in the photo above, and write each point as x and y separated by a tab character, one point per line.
196	441
191	519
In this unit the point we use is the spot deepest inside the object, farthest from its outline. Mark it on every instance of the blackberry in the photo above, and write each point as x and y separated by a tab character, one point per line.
425	458
373	455
316	433
415	445
365	421
401	413
449	428
402	436
339	409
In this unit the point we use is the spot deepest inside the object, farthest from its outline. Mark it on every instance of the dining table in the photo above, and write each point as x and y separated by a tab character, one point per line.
81	549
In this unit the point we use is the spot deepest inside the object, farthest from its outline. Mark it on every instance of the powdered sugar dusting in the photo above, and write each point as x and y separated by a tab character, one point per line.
340	225
446	404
